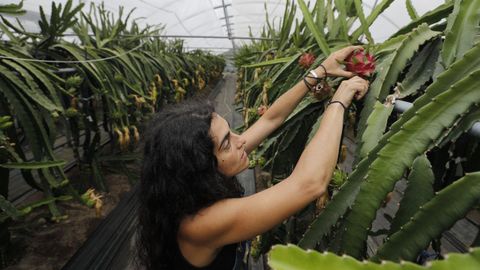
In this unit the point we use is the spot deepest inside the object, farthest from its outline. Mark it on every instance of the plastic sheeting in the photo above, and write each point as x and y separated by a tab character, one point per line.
207	18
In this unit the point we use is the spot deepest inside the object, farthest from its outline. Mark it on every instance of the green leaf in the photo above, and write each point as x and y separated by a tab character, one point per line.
9	208
411	10
284	68
447	207
32	90
51	179
389	45
304	104
414	138
291	257
127	62
39	71
320	15
322	43
389	70
462	127
344	198
371	18
332	27
363	21
13	9
376	124
293	123
77	54
462	29
342	18
7	32
419	191
33	165
23	114
421	70
274	61
458	71
29	207
430	17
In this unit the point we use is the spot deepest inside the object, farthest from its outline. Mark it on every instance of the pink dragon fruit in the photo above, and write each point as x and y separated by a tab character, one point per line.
361	63
306	60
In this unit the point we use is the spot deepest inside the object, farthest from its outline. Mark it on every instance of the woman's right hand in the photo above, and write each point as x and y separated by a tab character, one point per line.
348	89
332	63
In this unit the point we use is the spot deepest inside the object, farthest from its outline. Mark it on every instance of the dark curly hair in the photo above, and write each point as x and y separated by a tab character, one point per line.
179	177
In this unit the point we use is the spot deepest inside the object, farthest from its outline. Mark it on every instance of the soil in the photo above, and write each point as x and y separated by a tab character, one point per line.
39	243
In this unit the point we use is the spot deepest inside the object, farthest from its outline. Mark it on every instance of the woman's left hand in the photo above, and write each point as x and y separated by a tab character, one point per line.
332	65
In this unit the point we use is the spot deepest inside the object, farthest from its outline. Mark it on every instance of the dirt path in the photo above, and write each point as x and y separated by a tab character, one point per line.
44	245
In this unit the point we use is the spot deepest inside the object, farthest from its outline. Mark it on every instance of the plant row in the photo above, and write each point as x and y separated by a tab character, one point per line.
433	61
89	76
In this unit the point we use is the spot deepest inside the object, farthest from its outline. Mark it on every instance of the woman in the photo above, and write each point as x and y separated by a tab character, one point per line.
192	215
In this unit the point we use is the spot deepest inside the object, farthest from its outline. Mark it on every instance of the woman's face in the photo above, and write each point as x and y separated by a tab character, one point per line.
229	147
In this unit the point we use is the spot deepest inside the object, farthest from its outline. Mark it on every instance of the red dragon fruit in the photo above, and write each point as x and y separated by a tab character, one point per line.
361	63
306	60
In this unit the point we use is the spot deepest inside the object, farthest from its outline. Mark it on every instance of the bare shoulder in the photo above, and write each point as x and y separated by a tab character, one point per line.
208	223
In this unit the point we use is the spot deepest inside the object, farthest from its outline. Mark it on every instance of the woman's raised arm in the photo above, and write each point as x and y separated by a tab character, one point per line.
286	103
233	220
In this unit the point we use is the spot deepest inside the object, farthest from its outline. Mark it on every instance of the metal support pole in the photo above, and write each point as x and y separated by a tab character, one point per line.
227	22
222	6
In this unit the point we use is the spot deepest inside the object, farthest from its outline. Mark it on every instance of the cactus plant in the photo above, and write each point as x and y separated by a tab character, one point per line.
294	258
411	65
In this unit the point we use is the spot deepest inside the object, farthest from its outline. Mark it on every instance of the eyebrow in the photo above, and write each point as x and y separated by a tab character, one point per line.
226	137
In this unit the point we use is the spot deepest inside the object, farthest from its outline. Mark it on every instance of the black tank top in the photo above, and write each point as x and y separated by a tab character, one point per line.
225	260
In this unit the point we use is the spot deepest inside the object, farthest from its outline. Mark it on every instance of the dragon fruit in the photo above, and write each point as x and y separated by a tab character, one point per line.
361	63
306	60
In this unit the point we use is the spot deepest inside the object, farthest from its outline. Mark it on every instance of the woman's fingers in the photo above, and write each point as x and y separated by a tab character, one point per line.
343	53
355	87
332	62
346	74
358	86
358	79
361	93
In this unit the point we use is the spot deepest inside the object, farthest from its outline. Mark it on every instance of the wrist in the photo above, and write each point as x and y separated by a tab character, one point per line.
321	71
338	103
345	100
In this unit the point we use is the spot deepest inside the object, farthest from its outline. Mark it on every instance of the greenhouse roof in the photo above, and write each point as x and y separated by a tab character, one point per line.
219	25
